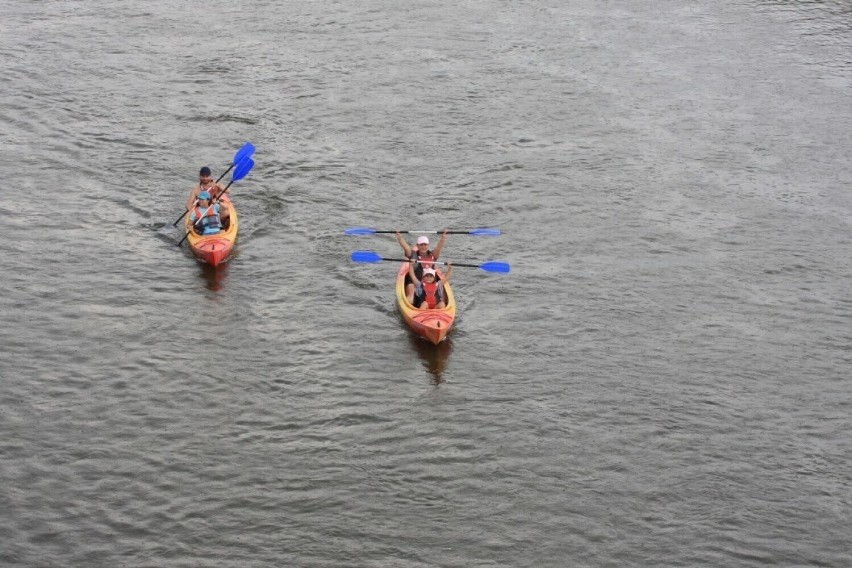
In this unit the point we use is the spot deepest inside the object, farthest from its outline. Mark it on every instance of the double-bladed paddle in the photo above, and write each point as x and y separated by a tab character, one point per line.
247	151
367	231
242	170
490	266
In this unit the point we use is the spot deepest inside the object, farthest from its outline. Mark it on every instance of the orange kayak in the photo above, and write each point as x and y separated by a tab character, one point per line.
214	249
432	325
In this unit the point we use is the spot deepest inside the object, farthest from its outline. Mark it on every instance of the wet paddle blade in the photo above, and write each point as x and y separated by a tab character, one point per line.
485	232
495	266
359	231
243	168
365	256
246	151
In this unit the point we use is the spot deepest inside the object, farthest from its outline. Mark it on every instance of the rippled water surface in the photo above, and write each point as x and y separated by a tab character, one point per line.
663	379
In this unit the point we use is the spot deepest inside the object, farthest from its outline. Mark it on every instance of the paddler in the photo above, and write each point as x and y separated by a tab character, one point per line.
205	183
209	218
420	253
428	294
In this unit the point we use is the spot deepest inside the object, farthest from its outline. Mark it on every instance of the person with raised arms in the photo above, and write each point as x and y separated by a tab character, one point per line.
422	256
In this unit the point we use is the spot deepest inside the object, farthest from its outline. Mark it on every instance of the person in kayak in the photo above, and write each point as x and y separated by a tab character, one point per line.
421	253
205	183
428	294
207	218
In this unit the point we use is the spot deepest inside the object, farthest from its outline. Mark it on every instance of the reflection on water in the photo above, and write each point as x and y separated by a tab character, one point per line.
214	276
434	356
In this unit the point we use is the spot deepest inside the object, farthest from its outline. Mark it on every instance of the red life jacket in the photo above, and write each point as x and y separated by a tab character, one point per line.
433	293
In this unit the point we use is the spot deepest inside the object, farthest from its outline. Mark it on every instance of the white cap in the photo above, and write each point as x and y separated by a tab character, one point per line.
429	271
423	240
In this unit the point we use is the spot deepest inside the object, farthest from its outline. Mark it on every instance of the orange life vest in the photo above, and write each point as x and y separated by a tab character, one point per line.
210	223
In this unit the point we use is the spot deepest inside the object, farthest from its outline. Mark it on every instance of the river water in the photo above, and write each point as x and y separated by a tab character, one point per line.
663	379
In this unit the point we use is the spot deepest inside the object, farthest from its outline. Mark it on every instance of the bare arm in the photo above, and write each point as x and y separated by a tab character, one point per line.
411	274
437	252
193	197
405	246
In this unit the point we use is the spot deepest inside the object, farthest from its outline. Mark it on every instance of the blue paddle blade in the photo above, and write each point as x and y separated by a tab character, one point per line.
359	231
365	256
243	168
246	151
495	267
486	232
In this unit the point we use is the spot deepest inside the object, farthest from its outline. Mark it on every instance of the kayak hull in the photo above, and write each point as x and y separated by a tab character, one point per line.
431	325
214	249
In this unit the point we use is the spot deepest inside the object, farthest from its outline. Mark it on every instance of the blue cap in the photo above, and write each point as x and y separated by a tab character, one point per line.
204	195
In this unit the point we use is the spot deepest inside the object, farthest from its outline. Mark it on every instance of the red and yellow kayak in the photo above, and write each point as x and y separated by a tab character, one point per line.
432	325
215	249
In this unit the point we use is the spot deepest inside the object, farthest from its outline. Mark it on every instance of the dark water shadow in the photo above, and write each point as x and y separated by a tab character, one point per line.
214	276
434	357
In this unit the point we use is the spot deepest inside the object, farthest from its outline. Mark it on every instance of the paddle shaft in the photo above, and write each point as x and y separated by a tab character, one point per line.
490	266
361	231
427	232
430	262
